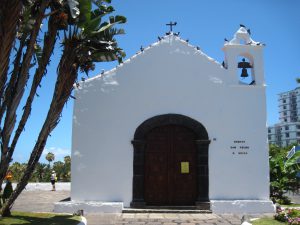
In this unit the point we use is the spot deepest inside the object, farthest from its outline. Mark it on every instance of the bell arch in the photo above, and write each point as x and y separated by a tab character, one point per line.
139	145
245	71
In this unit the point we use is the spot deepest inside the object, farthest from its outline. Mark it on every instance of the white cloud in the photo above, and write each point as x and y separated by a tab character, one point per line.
58	152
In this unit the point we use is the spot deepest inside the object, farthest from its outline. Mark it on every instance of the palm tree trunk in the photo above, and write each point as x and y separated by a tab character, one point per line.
67	75
49	42
18	91
9	14
13	101
13	78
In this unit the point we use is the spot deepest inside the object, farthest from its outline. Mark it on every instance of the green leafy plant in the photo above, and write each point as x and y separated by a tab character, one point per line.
284	200
282	178
291	216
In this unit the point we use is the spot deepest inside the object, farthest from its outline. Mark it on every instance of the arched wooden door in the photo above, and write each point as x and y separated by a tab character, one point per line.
170	166
170	162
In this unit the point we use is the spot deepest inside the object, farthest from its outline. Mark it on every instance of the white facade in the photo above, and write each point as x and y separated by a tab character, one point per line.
173	77
287	132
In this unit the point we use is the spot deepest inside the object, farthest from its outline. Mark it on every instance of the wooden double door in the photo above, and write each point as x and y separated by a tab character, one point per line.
170	166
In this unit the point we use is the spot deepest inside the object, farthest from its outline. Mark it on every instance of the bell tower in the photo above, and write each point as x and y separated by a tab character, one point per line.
244	58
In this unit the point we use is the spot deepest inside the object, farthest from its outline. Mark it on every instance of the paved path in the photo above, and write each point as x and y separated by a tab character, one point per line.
39	201
43	201
163	219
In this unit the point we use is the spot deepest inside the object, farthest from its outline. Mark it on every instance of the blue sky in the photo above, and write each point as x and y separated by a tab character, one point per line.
205	23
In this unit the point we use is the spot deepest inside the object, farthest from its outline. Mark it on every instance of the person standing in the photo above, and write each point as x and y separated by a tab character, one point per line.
53	180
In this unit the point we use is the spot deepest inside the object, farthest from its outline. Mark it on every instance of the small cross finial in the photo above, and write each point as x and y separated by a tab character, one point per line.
171	24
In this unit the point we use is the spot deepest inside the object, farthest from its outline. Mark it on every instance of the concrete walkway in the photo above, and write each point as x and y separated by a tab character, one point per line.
163	219
43	201
39	201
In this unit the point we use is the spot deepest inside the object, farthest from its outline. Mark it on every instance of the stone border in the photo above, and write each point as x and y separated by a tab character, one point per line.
88	207
242	206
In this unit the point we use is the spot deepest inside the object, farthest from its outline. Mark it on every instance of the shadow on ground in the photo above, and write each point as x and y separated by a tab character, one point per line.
19	218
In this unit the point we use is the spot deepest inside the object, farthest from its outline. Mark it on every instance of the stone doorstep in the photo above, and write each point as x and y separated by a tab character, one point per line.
90	207
199	207
233	207
165	210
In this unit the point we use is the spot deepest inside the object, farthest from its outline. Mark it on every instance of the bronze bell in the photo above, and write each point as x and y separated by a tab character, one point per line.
244	73
244	65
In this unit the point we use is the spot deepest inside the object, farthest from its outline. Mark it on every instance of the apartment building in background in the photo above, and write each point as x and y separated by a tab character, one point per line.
287	131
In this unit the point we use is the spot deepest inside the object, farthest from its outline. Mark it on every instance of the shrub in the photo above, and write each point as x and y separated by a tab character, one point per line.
292	216
282	217
284	200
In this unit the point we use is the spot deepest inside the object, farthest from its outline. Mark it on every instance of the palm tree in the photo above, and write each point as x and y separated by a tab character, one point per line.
59	169
28	30
50	157
67	160
67	168
40	171
49	42
57	21
88	40
17	170
9	11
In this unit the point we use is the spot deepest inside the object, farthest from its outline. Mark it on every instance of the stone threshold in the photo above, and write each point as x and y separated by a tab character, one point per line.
165	209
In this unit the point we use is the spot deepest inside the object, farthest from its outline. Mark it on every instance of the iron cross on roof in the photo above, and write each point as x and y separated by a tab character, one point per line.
171	24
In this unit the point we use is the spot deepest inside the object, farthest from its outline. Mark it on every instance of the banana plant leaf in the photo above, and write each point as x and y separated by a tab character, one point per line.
96	41
100	2
113	21
96	16
293	161
85	8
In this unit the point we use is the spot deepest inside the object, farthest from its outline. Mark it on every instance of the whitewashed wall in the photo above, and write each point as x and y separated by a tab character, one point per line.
169	77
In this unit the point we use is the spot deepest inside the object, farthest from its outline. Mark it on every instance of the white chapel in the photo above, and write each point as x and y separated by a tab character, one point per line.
173	127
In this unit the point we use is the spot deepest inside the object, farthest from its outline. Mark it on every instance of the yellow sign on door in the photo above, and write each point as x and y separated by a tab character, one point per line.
185	167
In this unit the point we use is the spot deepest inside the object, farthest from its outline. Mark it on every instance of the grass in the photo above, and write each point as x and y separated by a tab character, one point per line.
19	218
267	221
